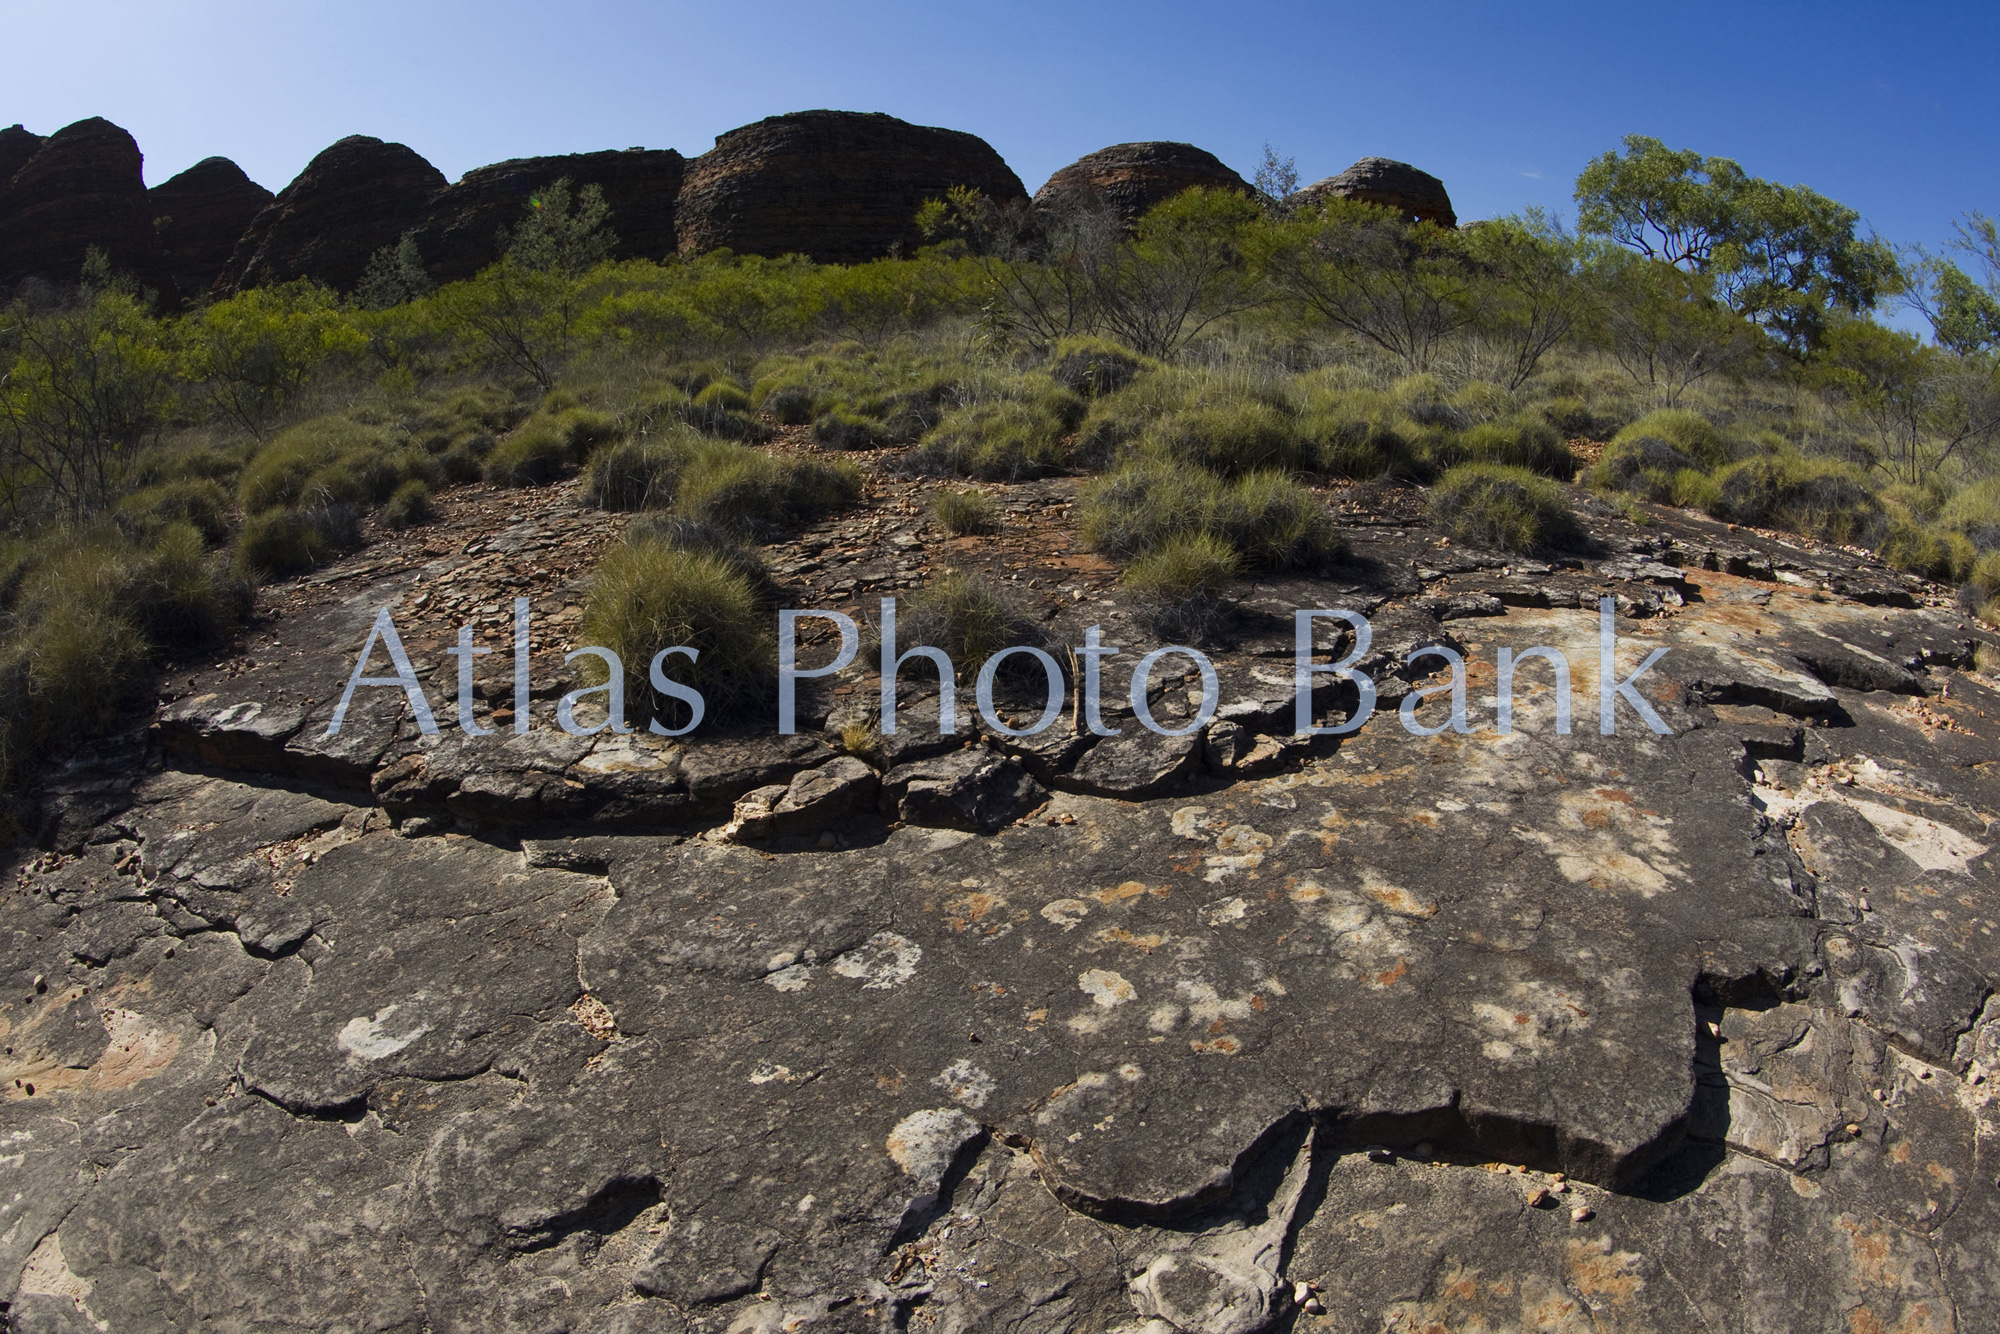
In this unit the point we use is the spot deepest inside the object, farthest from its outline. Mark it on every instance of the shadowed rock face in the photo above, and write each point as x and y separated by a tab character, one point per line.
82	188
1417	195
17	145
200	215
839	186
1131	178
350	201
460	231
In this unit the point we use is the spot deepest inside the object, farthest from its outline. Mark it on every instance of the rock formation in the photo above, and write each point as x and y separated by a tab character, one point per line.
1549	1029
1417	195
200	215
1131	178
82	188
17	145
460	231
354	198
839	186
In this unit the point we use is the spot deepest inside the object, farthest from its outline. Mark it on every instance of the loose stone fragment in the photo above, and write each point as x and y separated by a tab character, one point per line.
1583	1213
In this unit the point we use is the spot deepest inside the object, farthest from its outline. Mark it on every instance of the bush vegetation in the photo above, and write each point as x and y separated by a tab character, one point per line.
1213	365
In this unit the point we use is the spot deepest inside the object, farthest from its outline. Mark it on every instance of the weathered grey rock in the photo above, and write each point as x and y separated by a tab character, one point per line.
814	800
971	789
1136	764
1417	195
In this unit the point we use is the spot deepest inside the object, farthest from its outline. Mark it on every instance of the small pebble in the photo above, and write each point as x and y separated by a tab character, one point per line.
1853	1129
1864	904
1559	1188
1424	1152
1557	1176
1583	1213
827	840
1541	1199
1378	1154
1314	1307
1302	1293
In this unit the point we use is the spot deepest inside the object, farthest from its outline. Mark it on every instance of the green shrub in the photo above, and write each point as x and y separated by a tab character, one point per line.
1572	418
1356	433
1425	400
1975	512
1270	520
652	595
409	505
722	408
1933	553
711	539
1094	367
970	617
1505	508
83	665
183	598
841	429
1229	438
1182	583
1515	443
1003	441
199	501
791	404
464	462
584	430
1689	432
748	491
963	513
334	455
535	455
1640	465
1818	497
283	542
636	475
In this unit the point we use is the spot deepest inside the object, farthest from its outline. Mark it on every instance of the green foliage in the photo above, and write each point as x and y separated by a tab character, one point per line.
278	543
1690	433
840	429
655	594
964	513
1520	442
1973	511
254	352
1269	520
1229	438
1007	440
1182	582
1818	497
83	385
747	491
1505	508
1358	433
1094	367
409	505
1924	407
333	457
535	455
1782	256
197	501
1933	553
637	474
1361	268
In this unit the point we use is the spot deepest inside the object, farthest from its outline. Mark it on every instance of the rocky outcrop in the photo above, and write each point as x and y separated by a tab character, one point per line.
350	201
17	145
1417	195
83	188
1131	178
839	186
199	216
460	234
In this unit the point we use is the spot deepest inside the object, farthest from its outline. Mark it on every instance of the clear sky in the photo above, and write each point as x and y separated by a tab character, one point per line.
1890	108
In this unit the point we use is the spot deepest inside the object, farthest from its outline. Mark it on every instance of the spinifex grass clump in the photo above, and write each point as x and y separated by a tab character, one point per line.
1002	441
969	616
964	513
1183	583
656	593
1819	497
1509	509
1268	519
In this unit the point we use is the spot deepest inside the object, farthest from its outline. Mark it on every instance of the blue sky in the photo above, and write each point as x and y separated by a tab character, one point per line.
1888	108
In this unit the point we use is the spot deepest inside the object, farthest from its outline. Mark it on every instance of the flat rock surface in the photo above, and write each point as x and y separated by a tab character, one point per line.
1470	1030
